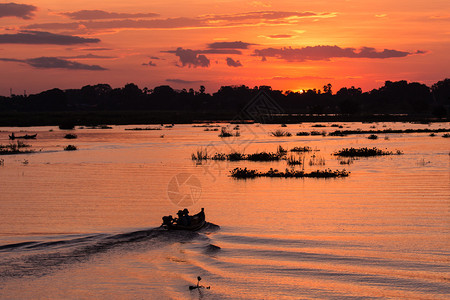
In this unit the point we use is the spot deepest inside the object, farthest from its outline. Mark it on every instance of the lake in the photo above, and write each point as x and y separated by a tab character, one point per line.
85	224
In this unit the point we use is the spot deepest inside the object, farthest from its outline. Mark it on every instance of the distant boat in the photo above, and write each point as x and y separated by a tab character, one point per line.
196	222
26	136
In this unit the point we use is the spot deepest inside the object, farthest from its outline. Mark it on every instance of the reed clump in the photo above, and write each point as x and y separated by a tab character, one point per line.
301	149
280	133
365	152
240	173
15	148
372	137
70	136
302	133
70	148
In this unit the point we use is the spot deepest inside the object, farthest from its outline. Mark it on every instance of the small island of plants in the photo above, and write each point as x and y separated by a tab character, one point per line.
244	173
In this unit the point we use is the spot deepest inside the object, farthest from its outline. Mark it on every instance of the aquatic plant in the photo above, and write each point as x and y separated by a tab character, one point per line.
318	125
389	130
317	132
240	173
264	156
372	137
447	135
364	152
348	161
281	151
201	154
15	148
301	149
316	161
225	133
143	128
2	162
70	148
70	136
294	161
280	133
302	133
236	156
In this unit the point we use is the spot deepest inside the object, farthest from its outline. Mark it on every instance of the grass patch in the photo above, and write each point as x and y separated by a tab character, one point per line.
302	133
70	148
70	136
364	152
280	133
301	149
15	148
247	173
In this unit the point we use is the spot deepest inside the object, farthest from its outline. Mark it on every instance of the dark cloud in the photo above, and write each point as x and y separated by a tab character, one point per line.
182	81
40	37
190	58
86	56
229	45
233	63
219	51
101	14
23	11
54	63
205	21
150	64
326	53
96	49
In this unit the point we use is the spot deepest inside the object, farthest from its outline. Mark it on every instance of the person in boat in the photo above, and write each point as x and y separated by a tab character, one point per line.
187	217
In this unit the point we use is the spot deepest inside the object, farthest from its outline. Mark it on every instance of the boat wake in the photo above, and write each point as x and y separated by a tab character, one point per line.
39	258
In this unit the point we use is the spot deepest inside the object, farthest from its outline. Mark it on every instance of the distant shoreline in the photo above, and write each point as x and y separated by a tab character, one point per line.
89	118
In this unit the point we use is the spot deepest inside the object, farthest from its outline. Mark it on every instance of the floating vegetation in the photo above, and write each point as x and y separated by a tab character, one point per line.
226	133
359	131
318	125
432	134
144	128
246	173
447	135
283	125
301	149
364	152
281	150
2	162
372	137
201	154
348	161
15	148
302	133
318	133
295	161
211	129
70	148
70	136
99	127
317	161
206	125
280	133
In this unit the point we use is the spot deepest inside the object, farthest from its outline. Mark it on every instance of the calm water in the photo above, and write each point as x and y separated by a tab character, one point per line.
83	224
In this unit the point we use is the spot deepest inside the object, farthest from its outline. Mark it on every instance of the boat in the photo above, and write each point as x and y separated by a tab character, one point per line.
196	222
26	136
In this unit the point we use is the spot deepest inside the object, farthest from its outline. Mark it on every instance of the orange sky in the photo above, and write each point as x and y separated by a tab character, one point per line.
287	44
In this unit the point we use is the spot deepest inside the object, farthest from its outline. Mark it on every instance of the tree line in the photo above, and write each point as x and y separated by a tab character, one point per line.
399	97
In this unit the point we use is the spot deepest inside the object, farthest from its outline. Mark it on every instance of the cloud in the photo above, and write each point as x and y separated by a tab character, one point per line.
257	18
219	51
229	45
280	36
326	53
54	63
190	58
150	64
101	14
233	63
23	11
40	37
86	56
182	81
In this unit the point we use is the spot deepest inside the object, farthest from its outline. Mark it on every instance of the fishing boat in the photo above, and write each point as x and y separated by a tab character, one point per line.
194	222
26	136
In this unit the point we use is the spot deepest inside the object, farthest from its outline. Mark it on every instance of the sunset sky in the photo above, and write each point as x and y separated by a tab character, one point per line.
288	44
